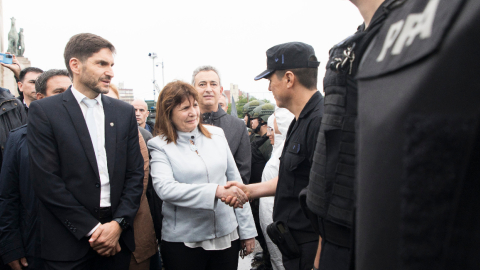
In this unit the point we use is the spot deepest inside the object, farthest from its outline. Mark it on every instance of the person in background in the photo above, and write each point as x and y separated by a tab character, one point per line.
278	124
206	81
141	113
26	85
191	163
19	232
247	110
223	102
261	151
145	240
12	115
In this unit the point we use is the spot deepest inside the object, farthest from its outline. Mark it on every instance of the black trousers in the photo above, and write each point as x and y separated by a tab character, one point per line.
334	257
306	259
177	256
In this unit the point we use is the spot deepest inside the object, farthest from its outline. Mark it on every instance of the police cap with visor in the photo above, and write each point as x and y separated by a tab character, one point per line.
289	55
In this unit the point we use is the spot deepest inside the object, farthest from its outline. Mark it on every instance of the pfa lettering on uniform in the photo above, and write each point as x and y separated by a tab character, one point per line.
402	33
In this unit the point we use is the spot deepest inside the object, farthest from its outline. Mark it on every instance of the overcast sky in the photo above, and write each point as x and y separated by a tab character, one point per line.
230	35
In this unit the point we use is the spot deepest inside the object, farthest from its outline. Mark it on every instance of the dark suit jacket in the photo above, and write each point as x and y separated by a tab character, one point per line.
65	172
19	234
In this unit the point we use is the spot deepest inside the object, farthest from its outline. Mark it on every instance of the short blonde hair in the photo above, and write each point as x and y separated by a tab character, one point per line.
114	89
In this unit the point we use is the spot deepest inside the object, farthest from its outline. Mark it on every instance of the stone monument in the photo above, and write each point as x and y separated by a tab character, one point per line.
21	43
13	38
16	46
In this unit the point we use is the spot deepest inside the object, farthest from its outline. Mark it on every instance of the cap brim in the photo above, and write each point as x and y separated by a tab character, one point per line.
264	74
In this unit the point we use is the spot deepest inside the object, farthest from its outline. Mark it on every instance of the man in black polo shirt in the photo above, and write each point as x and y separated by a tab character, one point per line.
292	70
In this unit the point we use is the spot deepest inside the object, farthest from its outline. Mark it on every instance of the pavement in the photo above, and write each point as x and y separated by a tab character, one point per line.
245	264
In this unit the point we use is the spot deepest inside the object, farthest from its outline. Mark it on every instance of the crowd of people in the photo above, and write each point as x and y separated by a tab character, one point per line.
381	172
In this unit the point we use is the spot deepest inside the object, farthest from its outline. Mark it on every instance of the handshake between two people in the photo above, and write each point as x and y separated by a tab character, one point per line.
234	193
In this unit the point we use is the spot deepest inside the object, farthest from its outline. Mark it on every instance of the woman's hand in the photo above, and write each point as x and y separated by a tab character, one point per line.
248	245
232	201
234	192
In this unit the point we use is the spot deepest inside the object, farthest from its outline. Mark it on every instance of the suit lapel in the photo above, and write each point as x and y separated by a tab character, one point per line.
78	121
110	132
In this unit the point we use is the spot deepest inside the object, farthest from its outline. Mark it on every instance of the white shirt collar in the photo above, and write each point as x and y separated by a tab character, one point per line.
79	97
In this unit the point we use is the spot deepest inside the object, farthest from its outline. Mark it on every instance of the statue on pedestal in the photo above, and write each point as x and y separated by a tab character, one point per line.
21	43
13	38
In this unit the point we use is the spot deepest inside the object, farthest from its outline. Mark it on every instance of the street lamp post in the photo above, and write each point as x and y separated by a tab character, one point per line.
153	56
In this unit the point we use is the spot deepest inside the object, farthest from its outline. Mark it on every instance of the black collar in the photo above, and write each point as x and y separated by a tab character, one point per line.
311	104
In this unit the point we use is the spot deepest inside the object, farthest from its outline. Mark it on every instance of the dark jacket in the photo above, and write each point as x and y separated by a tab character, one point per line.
237	138
261	151
150	126
12	115
66	177
19	233
21	98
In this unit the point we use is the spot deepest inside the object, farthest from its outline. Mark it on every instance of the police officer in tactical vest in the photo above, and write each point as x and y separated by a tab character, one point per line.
330	194
248	111
292	69
419	140
261	146
261	149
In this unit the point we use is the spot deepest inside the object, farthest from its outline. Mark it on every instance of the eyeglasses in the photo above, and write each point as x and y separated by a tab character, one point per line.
269	130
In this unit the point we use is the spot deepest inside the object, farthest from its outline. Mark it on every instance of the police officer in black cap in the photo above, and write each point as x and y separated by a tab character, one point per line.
292	70
330	194
419	140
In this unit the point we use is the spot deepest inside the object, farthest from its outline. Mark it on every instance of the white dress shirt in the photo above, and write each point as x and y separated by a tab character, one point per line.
101	153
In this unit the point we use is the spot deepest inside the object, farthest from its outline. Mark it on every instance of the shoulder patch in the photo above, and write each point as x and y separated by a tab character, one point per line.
409	34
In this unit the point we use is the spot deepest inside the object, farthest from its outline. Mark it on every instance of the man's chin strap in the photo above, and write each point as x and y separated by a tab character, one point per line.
257	129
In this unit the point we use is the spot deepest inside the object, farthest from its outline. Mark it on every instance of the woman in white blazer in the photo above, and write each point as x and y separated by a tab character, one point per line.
190	165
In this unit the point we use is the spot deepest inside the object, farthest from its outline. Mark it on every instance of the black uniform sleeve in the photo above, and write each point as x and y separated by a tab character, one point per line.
312	134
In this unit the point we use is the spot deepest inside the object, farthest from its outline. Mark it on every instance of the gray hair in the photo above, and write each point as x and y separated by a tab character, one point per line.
41	83
205	68
226	98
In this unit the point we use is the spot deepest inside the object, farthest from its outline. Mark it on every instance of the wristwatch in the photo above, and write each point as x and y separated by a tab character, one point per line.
121	221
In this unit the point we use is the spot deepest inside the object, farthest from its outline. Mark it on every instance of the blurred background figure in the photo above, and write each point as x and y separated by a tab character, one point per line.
261	151
19	232
145	240
26	85
141	113
223	102
247	110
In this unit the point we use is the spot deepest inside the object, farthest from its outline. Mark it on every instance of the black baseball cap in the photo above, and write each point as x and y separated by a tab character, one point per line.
288	56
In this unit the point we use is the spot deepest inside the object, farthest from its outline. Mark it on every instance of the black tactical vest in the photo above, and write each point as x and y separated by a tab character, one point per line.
418	202
331	189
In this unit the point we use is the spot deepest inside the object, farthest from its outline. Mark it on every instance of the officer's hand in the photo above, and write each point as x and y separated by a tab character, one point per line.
18	264
232	191
14	67
242	186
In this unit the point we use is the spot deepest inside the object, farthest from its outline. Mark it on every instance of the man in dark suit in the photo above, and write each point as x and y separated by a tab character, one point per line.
86	164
